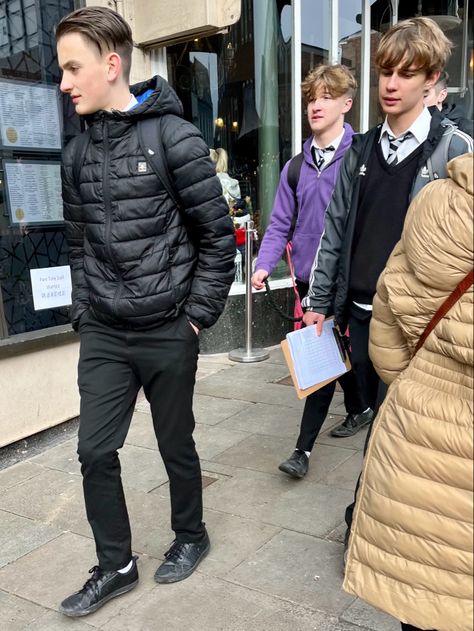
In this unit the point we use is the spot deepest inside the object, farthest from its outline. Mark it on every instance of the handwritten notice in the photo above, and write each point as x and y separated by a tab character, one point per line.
51	287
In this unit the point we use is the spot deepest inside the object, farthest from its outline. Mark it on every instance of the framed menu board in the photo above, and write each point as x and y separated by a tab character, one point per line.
29	116
33	191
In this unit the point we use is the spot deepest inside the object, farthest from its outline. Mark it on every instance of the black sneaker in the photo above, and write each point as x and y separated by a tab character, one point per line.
352	424
296	465
103	586
181	560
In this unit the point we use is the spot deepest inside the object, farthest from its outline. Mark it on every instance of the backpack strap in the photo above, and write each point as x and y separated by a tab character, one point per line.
151	145
81	144
293	176
450	301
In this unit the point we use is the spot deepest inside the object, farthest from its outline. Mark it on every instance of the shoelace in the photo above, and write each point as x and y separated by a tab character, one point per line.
175	552
91	583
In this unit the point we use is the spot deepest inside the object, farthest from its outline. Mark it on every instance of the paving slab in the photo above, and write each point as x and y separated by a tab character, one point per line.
251	389
278	500
214	410
364	615
53	497
303	569
62	457
20	535
211	441
206	603
233	539
17	474
54	621
267	418
346	474
264	453
16	613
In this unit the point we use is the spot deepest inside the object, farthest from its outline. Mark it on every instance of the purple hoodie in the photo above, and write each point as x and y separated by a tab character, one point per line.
313	193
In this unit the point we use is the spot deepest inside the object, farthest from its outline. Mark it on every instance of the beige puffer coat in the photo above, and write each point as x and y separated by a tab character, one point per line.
411	548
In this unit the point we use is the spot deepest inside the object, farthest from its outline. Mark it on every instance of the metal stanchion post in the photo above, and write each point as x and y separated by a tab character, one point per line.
248	354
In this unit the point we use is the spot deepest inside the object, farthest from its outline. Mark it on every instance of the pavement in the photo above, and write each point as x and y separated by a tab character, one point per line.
276	543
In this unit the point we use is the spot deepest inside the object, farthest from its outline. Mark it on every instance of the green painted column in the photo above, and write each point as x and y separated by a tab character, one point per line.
266	29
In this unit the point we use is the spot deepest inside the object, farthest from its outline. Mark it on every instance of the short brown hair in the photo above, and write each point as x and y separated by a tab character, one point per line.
102	27
416	43
336	80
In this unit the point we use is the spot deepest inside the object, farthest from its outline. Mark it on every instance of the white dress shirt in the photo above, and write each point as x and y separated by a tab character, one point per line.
419	133
328	155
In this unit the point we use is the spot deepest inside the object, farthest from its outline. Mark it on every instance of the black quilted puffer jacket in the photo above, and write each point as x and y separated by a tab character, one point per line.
136	259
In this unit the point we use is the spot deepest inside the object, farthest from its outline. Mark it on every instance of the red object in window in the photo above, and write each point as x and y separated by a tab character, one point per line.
240	236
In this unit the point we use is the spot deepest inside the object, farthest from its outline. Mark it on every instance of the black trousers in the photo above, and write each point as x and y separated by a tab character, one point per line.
317	404
113	365
409	627
370	384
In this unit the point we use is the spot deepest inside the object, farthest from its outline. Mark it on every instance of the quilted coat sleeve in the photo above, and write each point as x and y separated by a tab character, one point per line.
207	220
388	347
74	228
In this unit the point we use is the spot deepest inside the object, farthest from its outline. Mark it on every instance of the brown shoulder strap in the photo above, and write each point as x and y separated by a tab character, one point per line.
445	307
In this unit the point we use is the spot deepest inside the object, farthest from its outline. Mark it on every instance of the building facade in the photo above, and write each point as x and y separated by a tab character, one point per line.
237	66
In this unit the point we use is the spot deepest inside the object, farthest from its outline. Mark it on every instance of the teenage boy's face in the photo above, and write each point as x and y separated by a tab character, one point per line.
85	74
327	112
401	89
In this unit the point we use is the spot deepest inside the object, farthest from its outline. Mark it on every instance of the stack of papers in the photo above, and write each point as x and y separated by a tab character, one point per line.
316	359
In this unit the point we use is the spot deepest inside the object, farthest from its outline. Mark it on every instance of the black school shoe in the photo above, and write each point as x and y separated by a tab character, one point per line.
100	588
296	465
181	560
352	424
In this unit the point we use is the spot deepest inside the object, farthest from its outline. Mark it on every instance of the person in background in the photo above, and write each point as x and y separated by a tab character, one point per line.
147	276
436	97
230	186
411	547
328	92
382	172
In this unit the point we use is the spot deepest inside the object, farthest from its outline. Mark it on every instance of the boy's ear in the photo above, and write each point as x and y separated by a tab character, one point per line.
114	66
431	79
347	105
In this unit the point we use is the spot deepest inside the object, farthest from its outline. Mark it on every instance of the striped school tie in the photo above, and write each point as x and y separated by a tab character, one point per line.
394	146
318	155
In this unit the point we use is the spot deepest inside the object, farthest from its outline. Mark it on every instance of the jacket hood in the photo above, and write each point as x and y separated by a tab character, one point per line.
438	229
155	97
341	150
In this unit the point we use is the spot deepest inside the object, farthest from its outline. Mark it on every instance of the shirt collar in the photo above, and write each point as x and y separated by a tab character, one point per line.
131	104
335	143
419	128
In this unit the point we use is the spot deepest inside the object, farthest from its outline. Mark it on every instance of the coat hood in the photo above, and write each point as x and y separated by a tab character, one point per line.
155	98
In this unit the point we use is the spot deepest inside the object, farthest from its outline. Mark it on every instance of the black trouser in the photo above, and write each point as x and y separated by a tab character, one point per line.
113	364
317	404
373	388
409	627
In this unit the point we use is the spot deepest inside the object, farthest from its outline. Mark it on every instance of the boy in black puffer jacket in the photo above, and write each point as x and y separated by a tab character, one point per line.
151	265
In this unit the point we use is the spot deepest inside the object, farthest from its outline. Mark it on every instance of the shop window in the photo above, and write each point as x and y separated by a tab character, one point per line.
34	123
235	87
315	29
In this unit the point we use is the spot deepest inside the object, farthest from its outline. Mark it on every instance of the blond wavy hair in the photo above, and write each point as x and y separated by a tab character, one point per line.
337	80
418	43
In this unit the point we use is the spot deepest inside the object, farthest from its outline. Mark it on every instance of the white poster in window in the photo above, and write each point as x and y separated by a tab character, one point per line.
33	191
51	287
29	116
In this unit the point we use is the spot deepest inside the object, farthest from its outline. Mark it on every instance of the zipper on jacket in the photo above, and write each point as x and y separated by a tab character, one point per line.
108	213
